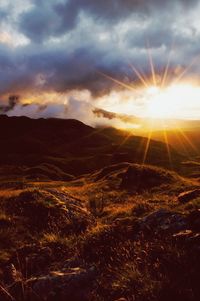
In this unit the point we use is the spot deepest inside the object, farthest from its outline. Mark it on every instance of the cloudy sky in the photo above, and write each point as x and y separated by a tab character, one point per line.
65	58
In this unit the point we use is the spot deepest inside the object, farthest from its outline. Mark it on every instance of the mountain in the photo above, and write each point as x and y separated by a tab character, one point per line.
73	147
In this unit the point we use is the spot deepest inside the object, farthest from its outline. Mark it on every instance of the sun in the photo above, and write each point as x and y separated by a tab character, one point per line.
157	104
159	101
157	95
172	101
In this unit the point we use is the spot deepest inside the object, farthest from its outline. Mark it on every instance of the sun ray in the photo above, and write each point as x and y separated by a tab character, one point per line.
166	70
151	65
181	142
145	77
180	76
129	87
167	145
139	75
188	140
179	132
165	74
147	146
127	137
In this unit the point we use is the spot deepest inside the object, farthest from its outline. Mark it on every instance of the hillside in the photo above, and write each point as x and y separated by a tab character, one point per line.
83	219
73	147
125	231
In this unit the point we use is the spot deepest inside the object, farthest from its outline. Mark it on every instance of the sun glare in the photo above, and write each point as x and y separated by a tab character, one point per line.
172	101
160	95
157	100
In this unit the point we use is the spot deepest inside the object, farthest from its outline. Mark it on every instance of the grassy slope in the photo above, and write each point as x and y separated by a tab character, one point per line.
95	221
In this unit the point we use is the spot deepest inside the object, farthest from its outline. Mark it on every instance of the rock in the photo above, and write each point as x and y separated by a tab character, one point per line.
183	234
163	220
187	196
11	274
32	258
73	284
186	234
190	238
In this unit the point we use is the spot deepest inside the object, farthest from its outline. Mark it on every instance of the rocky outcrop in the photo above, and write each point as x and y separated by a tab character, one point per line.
49	210
163	221
73	284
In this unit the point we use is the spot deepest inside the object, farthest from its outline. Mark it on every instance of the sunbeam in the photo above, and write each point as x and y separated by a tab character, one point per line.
165	73
187	140
151	65
147	146
184	72
167	144
140	76
122	84
165	99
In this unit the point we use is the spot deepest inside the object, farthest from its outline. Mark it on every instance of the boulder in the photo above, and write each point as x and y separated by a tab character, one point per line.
188	196
31	259
163	221
73	284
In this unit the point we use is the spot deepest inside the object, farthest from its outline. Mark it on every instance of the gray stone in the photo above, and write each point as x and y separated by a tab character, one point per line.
163	220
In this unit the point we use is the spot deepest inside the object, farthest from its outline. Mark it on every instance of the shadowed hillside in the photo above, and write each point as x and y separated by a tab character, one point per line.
73	147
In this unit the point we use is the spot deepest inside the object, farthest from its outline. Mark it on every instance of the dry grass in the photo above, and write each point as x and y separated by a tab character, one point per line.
50	238
97	225
7	193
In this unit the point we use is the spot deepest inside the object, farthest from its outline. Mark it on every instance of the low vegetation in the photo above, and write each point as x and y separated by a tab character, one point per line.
84	220
124	231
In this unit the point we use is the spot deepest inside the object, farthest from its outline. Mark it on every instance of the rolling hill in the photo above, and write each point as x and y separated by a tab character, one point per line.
73	147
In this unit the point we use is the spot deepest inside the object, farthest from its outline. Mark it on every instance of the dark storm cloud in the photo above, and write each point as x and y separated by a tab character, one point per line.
40	22
78	57
53	70
54	18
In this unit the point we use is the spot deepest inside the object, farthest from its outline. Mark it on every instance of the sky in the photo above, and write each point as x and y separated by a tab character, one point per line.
82	58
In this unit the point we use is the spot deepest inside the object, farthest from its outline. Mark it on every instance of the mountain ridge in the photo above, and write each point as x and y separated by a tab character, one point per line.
79	147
